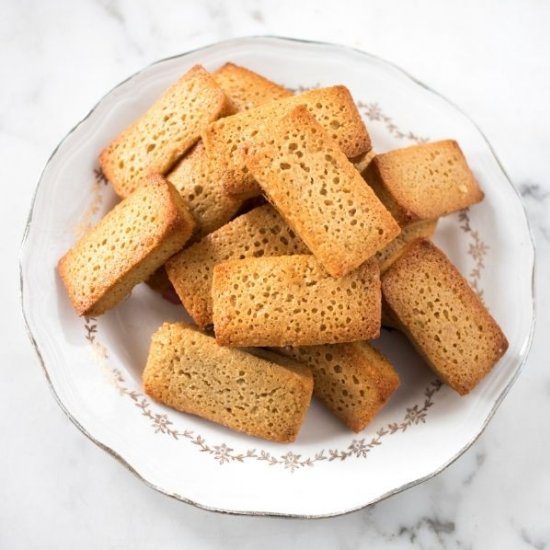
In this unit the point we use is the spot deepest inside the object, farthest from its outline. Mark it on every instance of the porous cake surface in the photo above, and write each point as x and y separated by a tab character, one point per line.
443	317
172	125
353	380
187	370
260	232
291	300
312	184
210	206
227	139
134	239
424	182
246	89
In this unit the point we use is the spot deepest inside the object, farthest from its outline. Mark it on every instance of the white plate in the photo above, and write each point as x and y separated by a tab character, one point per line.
94	365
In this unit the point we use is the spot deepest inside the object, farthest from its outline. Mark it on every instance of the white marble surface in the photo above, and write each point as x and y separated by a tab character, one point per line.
57	490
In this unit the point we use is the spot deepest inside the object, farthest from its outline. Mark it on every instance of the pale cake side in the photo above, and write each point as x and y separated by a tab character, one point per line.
133	240
320	194
188	371
171	126
160	283
362	162
226	140
442	316
394	249
423	182
260	232
354	381
246	89
293	301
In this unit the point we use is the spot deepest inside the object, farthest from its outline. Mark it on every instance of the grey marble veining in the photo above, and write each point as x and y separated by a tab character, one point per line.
58	490
536	199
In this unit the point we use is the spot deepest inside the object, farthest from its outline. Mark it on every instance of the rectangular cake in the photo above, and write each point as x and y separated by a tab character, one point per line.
423	182
291	300
315	188
246	89
133	240
188	371
171	126
429	300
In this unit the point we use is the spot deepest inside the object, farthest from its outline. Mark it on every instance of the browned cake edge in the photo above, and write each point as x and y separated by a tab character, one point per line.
461	387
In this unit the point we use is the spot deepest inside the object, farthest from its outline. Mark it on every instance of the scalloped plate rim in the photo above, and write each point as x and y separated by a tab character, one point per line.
526	345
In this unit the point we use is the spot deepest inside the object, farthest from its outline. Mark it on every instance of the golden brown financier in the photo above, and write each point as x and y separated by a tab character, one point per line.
134	239
187	370
429	300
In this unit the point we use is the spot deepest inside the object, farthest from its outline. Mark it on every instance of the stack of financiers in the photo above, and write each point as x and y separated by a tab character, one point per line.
279	229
